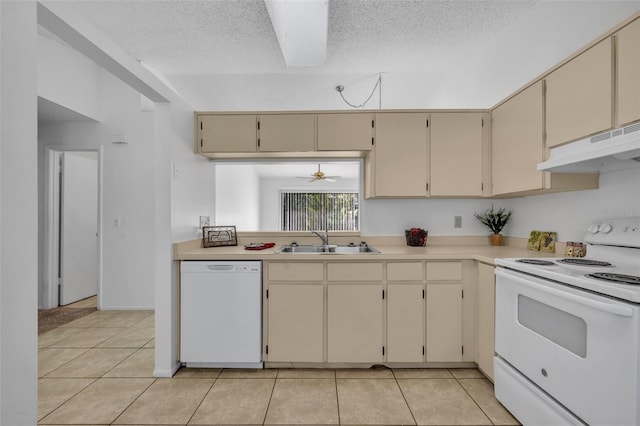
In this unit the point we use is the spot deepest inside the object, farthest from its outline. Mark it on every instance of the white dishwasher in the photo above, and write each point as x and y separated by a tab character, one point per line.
221	314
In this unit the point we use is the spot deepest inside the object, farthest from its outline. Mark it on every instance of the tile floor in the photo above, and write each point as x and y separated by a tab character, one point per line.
98	370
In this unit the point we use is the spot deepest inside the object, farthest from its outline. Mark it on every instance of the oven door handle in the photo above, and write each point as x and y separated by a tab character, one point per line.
616	309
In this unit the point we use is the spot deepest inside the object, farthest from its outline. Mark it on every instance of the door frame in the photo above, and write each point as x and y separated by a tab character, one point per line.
52	220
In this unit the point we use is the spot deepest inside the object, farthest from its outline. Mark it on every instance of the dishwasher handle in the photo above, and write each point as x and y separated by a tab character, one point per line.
221	268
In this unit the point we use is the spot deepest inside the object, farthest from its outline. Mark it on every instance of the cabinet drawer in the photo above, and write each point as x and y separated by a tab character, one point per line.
405	271
296	271
354	272
444	271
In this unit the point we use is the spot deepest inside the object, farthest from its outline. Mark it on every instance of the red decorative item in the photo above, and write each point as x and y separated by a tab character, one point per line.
416	237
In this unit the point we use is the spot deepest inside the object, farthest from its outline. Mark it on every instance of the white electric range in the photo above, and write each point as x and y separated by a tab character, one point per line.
568	332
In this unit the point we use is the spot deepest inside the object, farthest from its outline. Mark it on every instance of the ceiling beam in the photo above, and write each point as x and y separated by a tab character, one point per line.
301	28
74	31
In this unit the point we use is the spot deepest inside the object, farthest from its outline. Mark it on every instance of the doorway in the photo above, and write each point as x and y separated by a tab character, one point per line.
74	223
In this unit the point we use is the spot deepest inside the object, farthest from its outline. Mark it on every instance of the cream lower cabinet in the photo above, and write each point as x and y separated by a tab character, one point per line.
295	322
444	322
486	318
405	319
354	323
444	311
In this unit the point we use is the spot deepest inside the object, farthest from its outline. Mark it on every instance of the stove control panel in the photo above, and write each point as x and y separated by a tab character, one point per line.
620	231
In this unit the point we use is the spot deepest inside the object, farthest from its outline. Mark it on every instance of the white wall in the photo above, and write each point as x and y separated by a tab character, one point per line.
57	65
270	196
570	213
18	213
237	192
393	216
127	190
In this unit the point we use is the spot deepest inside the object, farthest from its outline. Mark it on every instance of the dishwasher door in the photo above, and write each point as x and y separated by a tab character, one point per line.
221	314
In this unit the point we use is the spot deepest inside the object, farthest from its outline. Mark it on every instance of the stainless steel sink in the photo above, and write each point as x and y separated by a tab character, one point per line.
326	249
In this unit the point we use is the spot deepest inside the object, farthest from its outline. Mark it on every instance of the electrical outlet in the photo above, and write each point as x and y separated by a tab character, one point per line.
204	221
457	221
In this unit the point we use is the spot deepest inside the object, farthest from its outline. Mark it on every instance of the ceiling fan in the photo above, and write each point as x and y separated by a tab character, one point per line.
318	176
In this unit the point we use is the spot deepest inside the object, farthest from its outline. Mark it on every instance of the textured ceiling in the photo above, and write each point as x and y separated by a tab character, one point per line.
236	36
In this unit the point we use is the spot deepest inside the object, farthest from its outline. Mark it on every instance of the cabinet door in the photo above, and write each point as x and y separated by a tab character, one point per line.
345	132
486	318
628	41
518	145
405	319
456	154
287	132
227	133
444	322
401	155
354	322
295	322
579	96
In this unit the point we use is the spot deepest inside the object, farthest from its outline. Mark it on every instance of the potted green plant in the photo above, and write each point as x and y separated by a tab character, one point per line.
495	221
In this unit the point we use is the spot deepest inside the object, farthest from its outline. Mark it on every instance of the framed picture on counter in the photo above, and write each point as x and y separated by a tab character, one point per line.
216	236
548	242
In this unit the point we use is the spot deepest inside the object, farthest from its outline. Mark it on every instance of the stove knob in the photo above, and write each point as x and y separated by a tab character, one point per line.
605	229
594	228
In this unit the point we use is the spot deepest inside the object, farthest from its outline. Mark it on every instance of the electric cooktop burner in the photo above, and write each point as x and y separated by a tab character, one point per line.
583	262
616	278
536	262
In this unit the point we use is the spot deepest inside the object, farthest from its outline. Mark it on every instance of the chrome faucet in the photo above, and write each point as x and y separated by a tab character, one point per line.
324	236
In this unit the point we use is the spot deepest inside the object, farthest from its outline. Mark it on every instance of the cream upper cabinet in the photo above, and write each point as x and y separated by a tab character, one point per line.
628	73
579	96
227	133
287	132
354	323
401	150
405	319
345	132
295	322
456	154
517	142
486	318
444	322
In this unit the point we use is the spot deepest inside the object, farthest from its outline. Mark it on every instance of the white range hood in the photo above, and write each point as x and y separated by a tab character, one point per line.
612	150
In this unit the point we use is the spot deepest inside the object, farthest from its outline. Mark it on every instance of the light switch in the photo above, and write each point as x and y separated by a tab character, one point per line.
457	221
117	222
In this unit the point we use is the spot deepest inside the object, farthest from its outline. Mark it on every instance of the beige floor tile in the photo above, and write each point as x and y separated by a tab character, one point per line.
100	403
148	321
372	401
198	373
55	335
364	373
306	373
93	363
151	344
133	337
87	338
466	373
54	392
125	319
248	373
422	373
481	390
171	401
441	402
51	358
139	364
94	319
235	401
303	401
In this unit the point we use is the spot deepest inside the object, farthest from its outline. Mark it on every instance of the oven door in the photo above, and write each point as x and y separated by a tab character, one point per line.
579	347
